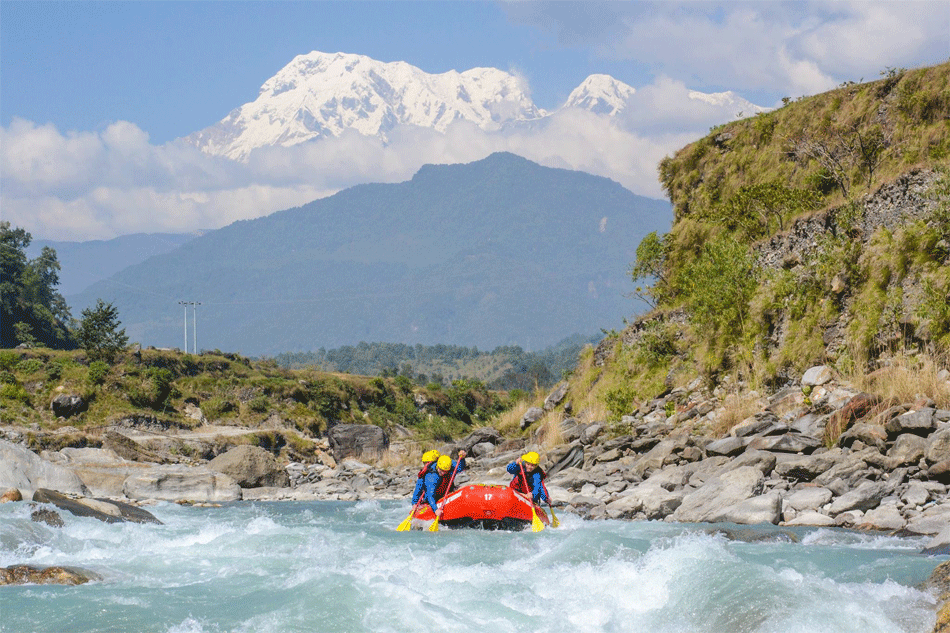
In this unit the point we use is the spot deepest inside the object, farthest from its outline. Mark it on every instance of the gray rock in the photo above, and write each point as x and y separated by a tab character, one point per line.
818	375
565	456
763	460
357	440
885	517
765	508
482	449
23	469
810	498
250	467
175	482
38	575
101	509
869	434
788	443
907	449
811	518
68	405
531	416
866	496
938	446
727	446
916	494
806	468
655	502
939	545
920	422
761	423
556	396
711	503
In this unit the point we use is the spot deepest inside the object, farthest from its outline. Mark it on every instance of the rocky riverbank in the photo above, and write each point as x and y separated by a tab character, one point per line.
888	470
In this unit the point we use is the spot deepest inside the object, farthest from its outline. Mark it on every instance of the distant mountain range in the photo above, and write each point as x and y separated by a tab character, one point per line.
320	95
501	251
84	263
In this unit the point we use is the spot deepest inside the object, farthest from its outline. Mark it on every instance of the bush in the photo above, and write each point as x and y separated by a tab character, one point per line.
29	366
260	404
8	360
14	392
98	371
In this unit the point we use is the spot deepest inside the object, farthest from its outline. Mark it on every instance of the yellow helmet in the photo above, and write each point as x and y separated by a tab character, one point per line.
430	456
531	458
445	463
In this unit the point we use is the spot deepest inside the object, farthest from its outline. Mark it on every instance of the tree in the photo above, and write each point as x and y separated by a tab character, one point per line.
99	332
651	259
31	309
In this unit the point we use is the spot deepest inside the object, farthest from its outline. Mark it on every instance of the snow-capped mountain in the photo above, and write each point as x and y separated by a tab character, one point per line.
600	94
323	94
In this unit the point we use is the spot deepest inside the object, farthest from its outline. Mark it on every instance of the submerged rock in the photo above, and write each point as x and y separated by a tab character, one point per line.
33	575
102	509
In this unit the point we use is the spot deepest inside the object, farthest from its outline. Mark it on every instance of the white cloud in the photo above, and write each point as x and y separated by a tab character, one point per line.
787	48
95	185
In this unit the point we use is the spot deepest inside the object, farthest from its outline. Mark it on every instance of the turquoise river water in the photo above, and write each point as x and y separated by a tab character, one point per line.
335	566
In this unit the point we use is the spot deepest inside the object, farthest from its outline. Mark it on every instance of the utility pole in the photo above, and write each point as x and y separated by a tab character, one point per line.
194	324
194	316
185	346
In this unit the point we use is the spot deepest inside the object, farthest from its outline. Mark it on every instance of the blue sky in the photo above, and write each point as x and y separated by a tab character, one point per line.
92	95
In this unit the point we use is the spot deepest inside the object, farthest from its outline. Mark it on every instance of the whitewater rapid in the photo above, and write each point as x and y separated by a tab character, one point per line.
336	566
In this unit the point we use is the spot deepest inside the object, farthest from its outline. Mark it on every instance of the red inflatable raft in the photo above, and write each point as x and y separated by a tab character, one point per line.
486	506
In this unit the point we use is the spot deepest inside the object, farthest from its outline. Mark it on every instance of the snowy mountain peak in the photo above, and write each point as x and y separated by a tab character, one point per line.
600	94
318	95
729	98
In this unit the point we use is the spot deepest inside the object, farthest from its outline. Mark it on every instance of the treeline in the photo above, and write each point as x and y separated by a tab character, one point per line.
504	368
32	311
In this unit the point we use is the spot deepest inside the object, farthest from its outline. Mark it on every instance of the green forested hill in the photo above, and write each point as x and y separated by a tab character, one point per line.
501	251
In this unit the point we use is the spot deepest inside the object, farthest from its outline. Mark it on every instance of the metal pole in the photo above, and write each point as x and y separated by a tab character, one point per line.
194	329
184	304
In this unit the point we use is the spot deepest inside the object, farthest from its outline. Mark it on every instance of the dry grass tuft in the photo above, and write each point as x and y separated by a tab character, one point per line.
735	408
907	379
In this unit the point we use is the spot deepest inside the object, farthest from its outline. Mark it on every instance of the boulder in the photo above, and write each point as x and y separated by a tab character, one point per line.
916	494
908	449
806	468
810	498
938	446
656	502
26	471
763	460
884	518
761	423
47	516
866	496
712	502
56	575
175	483
531	416
920	422
102	509
251	467
811	518
816	376
556	396
565	456
68	405
356	440
727	446
765	508
868	434
939	545
787	443
11	494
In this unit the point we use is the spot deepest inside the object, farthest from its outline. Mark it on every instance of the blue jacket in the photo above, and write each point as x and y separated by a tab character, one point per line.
431	480
535	481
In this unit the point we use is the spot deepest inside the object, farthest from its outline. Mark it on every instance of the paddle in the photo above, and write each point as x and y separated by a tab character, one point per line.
406	525
435	524
554	522
536	525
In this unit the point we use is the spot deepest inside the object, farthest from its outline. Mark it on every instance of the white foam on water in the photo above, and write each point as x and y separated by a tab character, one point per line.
328	567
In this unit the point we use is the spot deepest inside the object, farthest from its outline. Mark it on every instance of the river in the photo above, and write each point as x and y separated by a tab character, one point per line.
341	567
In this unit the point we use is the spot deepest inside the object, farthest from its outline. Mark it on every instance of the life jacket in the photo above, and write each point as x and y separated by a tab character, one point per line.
520	484
443	487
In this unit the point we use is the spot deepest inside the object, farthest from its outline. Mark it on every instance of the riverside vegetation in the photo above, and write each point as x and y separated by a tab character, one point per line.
794	368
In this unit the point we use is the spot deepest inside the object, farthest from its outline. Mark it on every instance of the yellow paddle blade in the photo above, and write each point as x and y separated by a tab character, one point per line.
536	525
554	521
406	525
435	525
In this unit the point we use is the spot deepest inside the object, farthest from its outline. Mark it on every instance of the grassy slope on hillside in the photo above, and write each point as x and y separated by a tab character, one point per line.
721	314
230	390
